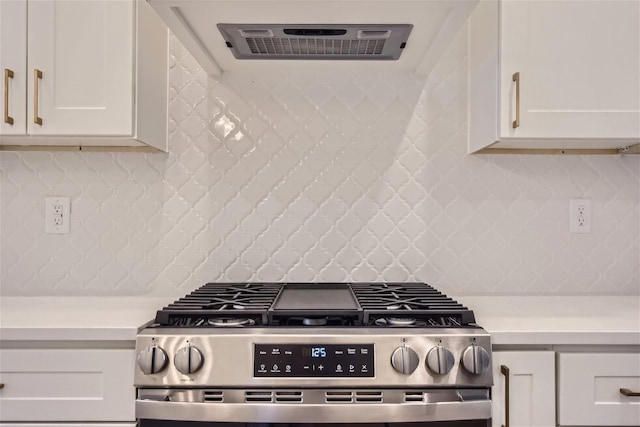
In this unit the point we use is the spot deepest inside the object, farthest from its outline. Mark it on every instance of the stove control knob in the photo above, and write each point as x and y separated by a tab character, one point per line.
152	360
475	359
404	360
188	359
440	360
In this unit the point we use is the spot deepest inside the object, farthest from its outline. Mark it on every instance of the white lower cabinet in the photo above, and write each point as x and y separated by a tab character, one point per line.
596	389
523	393
67	385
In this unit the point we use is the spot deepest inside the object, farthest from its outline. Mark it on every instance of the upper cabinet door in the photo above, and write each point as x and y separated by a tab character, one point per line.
13	66
555	76
579	68
80	65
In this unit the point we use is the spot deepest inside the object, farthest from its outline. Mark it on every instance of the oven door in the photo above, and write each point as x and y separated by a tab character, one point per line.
310	407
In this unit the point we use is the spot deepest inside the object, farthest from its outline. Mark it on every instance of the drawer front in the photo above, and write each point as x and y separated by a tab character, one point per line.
589	389
67	385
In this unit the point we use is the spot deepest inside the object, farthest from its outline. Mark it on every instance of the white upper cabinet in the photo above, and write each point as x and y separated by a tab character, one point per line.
13	65
85	73
555	74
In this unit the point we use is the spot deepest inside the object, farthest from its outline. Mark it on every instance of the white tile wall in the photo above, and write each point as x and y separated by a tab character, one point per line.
319	177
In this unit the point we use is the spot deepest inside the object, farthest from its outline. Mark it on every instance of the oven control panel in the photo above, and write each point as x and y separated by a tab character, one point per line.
313	360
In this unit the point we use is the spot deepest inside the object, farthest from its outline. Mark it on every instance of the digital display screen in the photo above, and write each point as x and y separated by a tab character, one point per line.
313	360
320	352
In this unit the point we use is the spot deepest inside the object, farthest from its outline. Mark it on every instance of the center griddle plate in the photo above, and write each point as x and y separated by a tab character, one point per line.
316	300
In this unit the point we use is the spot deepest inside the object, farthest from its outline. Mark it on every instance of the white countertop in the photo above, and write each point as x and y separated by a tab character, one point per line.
524	320
558	320
76	318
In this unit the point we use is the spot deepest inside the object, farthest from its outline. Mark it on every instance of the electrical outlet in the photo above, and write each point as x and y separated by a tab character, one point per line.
57	215
580	215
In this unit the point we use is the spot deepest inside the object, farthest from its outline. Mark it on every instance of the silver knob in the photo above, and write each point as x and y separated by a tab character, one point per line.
440	360
475	359
188	359
152	360
404	360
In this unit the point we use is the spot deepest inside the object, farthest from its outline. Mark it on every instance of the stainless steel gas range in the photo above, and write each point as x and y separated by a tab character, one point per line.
380	354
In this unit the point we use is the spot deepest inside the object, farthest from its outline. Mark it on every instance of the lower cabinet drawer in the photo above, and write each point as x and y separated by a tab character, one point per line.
589	389
67	385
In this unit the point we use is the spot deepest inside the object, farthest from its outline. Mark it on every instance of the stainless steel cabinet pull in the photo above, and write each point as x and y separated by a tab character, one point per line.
504	370
8	74
37	75
629	393
516	122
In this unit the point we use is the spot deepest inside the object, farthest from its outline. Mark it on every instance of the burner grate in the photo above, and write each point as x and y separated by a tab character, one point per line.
384	303
217	304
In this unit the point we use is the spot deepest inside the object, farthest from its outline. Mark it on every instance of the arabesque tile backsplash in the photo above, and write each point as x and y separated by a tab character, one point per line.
319	177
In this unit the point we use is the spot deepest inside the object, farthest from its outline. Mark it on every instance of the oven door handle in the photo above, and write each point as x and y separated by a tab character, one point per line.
439	405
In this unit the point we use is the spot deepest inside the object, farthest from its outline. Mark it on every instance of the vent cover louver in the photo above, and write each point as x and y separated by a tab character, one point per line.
258	396
355	42
214	396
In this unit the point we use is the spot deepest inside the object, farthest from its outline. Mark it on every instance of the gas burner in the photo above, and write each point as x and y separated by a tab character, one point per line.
230	322
396	321
314	321
408	305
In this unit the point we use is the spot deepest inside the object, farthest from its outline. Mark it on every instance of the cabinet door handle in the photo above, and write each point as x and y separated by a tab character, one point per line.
504	370
8	74
37	76
1	386
629	393
516	122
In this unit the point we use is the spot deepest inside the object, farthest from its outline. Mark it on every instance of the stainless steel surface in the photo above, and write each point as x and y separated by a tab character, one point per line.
314	405
404	360
234	347
313	41
311	353
476	360
188	359
152	360
440	360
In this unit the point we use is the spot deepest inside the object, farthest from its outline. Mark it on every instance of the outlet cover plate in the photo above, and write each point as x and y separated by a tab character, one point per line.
57	215
580	216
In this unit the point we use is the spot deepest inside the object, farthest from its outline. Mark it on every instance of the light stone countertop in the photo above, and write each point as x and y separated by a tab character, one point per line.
107	318
558	320
511	320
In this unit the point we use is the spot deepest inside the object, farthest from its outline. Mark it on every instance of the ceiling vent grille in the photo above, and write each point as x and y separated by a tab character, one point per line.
304	46
348	41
